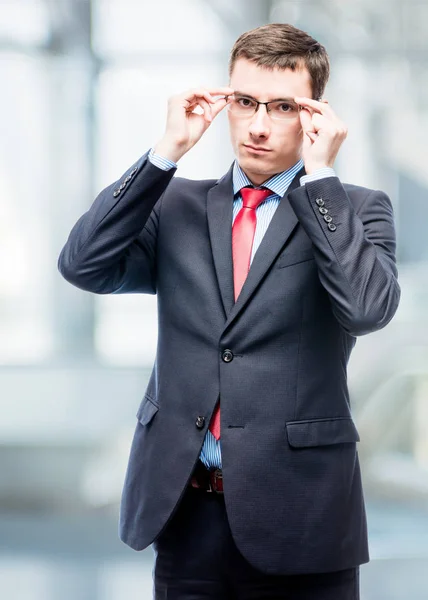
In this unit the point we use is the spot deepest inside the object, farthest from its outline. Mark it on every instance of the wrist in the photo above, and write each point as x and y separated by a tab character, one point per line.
312	168
167	149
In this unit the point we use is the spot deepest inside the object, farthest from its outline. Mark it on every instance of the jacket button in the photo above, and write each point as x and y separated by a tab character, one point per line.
227	356
323	210
200	422
332	226
116	193
328	219
320	201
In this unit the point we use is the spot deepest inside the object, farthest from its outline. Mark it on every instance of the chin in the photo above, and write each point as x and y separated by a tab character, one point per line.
255	163
259	166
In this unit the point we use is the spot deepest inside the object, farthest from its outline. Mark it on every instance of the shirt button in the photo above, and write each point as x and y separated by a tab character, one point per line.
227	356
200	422
332	227
320	201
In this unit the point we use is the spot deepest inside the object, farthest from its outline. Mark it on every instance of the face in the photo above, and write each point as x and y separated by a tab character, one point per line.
264	146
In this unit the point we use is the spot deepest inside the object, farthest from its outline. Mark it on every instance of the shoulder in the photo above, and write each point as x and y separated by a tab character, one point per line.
190	191
362	196
182	183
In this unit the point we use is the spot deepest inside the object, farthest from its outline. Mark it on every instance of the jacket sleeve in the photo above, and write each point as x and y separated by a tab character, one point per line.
355	252
112	247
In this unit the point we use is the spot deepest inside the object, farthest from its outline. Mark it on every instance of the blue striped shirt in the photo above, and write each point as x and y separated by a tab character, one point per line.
211	449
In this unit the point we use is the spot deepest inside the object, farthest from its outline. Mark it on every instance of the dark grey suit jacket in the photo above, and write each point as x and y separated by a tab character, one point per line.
291	471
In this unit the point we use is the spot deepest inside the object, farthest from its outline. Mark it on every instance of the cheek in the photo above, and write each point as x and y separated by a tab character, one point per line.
292	135
233	129
296	128
238	133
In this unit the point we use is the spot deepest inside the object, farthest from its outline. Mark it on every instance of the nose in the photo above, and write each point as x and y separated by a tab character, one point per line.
260	123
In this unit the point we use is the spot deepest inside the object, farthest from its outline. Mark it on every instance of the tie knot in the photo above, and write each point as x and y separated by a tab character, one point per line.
251	198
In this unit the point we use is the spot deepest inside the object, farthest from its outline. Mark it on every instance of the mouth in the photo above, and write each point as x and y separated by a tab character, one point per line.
256	149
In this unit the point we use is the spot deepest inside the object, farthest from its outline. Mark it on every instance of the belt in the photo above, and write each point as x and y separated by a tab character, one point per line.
208	481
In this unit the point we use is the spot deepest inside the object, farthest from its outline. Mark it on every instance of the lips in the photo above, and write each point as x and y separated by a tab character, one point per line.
256	149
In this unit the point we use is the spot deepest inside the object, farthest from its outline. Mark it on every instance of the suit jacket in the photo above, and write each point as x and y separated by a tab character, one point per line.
291	472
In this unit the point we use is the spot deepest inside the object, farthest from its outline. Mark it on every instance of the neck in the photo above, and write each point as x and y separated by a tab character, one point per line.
258	179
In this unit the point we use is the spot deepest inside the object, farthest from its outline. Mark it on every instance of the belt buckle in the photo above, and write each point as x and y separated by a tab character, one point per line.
217	475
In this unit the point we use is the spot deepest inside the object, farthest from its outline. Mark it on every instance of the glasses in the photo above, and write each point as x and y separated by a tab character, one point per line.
281	110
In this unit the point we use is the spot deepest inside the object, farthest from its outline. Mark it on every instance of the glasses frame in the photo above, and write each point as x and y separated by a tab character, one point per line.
284	100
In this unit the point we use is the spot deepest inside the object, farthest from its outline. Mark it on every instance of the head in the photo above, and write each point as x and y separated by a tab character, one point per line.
272	62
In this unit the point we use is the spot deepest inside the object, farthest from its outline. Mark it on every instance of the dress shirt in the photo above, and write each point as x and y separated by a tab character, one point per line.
279	183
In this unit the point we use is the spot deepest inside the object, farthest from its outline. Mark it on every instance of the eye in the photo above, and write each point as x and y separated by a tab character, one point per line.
245	102
284	107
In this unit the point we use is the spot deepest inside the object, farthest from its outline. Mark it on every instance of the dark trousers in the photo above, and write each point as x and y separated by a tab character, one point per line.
197	559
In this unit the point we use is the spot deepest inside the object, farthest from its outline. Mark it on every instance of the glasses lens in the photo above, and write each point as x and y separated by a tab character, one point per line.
242	106
283	110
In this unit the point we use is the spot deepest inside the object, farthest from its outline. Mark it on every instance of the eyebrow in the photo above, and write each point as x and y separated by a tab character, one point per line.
236	93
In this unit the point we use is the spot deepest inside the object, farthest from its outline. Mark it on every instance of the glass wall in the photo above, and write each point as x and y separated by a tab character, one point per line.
84	88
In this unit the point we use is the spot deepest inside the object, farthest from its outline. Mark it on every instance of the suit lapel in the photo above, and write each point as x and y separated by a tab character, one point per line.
280	228
219	213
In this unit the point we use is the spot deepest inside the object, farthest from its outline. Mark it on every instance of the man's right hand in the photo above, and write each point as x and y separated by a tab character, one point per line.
184	128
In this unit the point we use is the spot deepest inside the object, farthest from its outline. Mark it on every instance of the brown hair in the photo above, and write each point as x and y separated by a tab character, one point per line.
282	46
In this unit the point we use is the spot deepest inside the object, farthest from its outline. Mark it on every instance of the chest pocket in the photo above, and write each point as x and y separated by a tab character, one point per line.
286	259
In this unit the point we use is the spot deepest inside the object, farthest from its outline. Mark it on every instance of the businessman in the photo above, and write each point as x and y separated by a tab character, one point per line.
244	471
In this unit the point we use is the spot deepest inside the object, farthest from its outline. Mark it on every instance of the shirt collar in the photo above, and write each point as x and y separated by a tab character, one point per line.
279	183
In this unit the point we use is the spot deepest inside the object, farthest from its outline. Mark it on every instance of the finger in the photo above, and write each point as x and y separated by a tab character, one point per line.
221	91
191	97
306	120
200	107
320	107
312	136
207	93
218	106
206	108
319	122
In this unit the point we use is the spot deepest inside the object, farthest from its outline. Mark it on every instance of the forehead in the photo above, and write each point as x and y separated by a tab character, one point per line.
265	84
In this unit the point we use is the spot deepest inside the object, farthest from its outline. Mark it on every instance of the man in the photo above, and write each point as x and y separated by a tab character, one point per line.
244	472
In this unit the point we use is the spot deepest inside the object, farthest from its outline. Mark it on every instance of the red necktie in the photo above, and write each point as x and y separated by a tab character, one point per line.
243	230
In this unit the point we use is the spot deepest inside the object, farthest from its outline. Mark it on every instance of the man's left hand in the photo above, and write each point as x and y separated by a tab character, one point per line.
323	133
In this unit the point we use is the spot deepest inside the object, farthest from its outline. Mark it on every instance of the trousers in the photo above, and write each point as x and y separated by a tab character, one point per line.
196	558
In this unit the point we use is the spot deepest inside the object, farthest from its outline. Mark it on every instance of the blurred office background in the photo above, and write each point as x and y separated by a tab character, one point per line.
84	85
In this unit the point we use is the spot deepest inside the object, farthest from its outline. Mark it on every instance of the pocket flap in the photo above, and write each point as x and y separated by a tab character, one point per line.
147	410
286	259
321	432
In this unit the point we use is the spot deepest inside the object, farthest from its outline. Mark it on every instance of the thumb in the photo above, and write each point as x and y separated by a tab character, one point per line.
309	135
306	120
218	106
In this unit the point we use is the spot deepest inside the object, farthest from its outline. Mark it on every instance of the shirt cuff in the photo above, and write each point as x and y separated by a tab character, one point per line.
318	174
163	163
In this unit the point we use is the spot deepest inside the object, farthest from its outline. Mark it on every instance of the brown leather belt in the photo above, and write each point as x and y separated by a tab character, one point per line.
208	481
